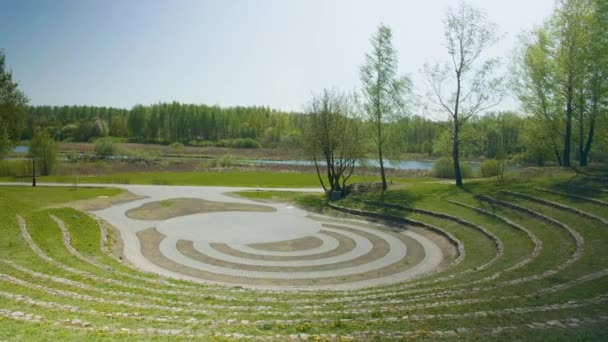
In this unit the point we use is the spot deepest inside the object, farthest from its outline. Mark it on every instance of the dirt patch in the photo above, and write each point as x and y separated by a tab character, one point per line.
166	209
300	244
101	202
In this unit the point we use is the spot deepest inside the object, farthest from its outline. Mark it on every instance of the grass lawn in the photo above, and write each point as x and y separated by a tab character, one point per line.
515	292
219	178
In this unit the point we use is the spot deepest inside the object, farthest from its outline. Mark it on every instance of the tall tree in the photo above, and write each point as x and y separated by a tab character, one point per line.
333	138
383	89
13	108
532	82
567	46
563	72
593	97
136	123
468	34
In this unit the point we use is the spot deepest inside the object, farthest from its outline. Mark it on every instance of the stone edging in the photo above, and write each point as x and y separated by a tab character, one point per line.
451	238
556	205
497	243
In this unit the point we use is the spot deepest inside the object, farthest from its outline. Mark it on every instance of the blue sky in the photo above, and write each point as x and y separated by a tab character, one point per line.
276	53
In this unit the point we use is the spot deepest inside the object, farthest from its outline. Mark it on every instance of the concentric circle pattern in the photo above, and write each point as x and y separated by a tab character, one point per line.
281	249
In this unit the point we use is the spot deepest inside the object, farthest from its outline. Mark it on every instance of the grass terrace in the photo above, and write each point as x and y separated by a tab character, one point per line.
530	270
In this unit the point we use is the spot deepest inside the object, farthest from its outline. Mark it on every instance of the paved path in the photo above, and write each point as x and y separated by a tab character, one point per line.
240	230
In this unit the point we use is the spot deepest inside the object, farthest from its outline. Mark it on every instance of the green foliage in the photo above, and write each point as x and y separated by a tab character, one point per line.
238	143
232	177
334	140
560	77
444	168
15	168
164	123
118	126
167	203
494	168
177	146
105	148
465	87
44	151
139	155
76	123
226	161
273	196
13	108
384	91
442	146
201	143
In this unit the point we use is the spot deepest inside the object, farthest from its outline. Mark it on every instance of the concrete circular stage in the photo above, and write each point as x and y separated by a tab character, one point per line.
219	241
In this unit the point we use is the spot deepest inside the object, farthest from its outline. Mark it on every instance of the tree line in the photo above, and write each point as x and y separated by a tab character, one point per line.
165	123
487	136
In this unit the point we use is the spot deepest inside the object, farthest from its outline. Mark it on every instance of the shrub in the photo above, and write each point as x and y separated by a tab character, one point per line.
494	168
223	161
105	148
15	168
177	146
444	168
139	155
226	161
201	143
238	143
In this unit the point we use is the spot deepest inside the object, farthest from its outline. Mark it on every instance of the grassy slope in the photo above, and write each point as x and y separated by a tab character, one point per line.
557	246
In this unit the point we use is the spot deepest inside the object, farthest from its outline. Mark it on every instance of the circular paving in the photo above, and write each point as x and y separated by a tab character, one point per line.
238	227
284	249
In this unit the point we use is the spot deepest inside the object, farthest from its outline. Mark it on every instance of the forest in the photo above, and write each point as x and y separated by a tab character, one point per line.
487	136
166	123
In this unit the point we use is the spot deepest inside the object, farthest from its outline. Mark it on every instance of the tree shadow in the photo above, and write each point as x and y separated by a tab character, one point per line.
583	185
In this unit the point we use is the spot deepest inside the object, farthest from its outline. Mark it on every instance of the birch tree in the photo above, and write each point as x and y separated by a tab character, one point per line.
465	86
384	91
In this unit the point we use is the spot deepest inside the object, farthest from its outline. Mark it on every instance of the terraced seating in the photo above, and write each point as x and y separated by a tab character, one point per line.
522	266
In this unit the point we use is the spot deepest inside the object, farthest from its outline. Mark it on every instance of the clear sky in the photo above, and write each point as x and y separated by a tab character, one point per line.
277	53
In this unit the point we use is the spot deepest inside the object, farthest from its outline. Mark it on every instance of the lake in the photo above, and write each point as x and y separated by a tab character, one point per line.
401	165
21	149
426	165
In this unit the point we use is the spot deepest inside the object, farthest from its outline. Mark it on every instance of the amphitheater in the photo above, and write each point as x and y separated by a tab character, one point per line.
185	262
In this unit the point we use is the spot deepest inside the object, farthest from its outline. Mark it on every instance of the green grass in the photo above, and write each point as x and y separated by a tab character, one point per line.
459	291
270	196
167	203
310	201
220	178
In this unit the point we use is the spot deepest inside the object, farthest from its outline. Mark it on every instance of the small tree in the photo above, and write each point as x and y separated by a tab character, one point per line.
13	108
43	150
468	33
333	137
383	89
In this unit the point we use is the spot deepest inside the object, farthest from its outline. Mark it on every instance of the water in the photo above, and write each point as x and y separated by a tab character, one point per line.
21	149
399	165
